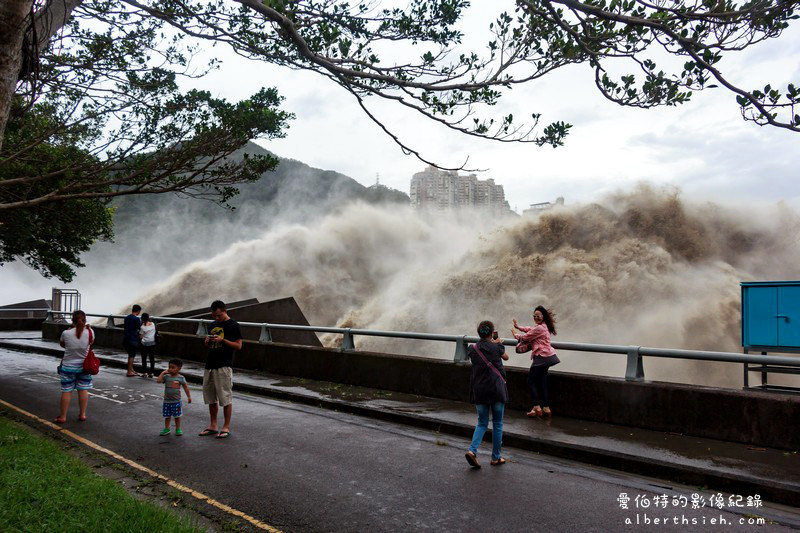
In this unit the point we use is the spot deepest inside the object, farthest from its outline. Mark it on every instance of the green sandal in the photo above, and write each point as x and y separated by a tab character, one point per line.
164	431
179	432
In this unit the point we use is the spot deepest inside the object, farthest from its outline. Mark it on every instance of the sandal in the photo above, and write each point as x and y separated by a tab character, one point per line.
547	412
164	431
223	434
208	432
499	462
82	418
59	420
472	460
535	412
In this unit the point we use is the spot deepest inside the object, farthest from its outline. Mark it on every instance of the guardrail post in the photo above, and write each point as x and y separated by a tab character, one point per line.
202	330
110	322
266	335
347	341
461	349
635	370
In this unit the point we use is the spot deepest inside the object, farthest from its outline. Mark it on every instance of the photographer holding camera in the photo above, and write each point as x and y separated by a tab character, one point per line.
488	391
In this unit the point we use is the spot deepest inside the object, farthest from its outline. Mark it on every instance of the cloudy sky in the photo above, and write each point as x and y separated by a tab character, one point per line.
703	147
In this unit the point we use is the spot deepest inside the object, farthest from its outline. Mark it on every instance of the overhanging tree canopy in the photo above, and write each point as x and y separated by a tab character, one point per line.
97	112
102	76
446	80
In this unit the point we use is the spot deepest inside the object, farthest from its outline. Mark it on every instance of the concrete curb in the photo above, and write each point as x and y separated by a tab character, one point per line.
769	489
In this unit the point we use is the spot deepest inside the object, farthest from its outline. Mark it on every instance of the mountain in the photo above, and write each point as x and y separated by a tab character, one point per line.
156	235
292	186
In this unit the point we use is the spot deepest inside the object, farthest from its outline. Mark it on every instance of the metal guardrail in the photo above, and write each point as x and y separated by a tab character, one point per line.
634	370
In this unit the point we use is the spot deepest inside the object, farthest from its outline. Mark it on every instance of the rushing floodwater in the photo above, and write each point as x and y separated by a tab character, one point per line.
645	268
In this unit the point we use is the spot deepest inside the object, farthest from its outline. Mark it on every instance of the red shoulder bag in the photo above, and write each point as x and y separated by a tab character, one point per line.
91	365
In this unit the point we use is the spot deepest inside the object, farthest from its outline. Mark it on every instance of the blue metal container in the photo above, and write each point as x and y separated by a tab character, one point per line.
771	315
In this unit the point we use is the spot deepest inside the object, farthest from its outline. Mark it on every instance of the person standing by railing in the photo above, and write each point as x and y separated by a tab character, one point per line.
130	336
488	391
537	340
147	338
223	341
76	342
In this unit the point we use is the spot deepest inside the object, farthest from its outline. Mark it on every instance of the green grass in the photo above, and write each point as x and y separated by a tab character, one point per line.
43	488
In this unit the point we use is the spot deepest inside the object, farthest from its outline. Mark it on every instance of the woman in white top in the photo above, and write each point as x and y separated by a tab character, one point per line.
76	342
147	340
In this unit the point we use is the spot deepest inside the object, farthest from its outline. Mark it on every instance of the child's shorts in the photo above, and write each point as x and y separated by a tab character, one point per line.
74	378
172	409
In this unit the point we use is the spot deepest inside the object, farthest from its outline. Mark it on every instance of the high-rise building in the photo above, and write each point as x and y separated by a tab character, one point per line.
445	189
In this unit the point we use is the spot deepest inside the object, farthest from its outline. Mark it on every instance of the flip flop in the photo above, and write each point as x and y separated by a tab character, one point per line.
81	419
223	435
207	432
472	460
58	420
499	462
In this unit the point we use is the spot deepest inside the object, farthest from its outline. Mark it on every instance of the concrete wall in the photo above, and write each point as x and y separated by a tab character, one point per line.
41	306
24	320
283	311
753	417
192	313
21	324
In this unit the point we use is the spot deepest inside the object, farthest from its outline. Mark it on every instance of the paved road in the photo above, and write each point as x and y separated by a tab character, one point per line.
302	468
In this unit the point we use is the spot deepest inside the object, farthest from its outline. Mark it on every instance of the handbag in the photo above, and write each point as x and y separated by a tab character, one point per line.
523	347
502	389
91	364
552	360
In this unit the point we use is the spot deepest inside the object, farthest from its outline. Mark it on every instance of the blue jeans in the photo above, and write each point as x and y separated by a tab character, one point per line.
483	423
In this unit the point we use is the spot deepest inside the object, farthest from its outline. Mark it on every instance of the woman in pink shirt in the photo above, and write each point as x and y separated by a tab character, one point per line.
543	356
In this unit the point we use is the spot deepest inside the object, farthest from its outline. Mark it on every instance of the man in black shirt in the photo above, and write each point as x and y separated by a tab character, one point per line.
223	341
130	339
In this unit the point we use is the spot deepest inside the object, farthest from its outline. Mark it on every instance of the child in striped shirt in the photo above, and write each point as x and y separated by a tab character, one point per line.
173	382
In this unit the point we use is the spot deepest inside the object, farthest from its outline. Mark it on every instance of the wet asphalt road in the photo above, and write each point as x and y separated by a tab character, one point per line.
300	468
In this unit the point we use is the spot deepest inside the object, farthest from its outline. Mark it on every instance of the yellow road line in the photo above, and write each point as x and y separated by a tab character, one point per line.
199	495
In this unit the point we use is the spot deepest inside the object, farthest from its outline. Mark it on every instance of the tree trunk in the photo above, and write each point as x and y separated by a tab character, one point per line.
13	23
50	20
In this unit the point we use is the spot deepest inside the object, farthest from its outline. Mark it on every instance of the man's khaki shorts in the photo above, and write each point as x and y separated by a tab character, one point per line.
218	386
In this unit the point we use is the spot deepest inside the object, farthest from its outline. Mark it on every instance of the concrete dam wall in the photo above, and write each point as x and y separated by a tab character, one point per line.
752	417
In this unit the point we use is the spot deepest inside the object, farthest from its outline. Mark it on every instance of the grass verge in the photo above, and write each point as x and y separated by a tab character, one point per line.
43	488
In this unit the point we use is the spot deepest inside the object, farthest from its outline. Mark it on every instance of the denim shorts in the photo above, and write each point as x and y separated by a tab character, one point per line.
172	409
74	378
